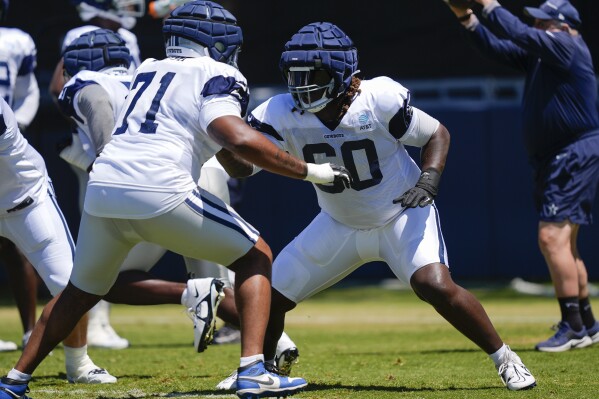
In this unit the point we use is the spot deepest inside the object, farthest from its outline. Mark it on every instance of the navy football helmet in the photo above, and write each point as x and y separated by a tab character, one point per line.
203	28
318	64
3	10
121	8
95	51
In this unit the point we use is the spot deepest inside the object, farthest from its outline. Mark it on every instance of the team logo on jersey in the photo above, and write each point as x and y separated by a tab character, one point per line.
365	122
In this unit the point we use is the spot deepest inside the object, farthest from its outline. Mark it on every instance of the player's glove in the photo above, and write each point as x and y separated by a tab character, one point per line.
328	173
423	193
461	4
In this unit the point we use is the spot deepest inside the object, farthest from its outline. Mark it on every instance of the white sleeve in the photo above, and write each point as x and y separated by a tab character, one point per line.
421	129
217	106
26	99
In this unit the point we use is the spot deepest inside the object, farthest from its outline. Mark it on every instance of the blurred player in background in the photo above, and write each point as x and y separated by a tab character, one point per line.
388	214
19	88
143	187
30	217
119	16
561	134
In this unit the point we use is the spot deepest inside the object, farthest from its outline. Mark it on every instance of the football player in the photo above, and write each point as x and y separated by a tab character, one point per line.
30	217
119	16
388	213
96	65
180	111
19	88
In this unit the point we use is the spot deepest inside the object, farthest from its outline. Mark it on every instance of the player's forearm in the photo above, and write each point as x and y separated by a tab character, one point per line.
234	165
434	153
235	135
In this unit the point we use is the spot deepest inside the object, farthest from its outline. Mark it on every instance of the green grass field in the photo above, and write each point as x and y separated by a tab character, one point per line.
354	343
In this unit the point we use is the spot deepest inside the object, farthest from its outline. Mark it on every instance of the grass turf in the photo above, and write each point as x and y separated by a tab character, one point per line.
354	343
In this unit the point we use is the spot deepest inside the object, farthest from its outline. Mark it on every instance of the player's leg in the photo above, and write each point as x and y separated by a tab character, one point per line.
565	188
23	281
53	261
586	312
414	248
204	227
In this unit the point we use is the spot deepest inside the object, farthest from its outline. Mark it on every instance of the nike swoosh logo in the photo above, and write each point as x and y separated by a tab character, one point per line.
260	381
197	294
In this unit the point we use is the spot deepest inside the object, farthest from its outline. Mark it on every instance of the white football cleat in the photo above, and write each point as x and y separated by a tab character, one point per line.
104	336
202	300
513	373
286	355
92	375
7	346
229	383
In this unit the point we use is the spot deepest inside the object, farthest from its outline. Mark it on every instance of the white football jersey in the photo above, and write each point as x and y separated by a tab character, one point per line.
128	36
22	168
17	58
380	166
117	87
160	141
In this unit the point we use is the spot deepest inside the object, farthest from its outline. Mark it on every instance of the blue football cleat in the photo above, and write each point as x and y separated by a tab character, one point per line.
565	339
254	382
12	389
594	332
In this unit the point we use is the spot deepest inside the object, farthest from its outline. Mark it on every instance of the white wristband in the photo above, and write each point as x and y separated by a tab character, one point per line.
320	174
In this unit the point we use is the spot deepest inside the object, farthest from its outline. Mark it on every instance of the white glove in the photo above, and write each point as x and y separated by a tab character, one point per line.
328	173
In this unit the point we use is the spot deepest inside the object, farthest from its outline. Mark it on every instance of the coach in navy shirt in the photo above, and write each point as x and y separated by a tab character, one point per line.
561	135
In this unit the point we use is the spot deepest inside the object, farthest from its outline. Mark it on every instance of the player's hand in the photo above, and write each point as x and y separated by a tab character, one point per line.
342	176
328	173
423	193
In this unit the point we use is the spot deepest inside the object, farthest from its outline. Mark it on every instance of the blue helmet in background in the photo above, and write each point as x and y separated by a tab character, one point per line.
3	10
96	50
203	28
319	46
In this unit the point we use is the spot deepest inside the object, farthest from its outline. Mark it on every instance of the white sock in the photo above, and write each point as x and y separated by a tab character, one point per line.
16	375
498	356
76	359
250	359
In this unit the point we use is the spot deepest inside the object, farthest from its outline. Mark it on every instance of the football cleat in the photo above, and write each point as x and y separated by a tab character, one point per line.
565	339
254	382
104	336
7	346
286	359
594	332
12	389
227	334
513	373
94	376
229	383
203	297
286	355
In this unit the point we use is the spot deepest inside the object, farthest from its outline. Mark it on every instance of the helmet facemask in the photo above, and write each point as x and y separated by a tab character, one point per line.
310	88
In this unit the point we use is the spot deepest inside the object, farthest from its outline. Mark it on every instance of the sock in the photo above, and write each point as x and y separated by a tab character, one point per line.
571	312
250	359
76	360
271	362
586	312
16	375
498	356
